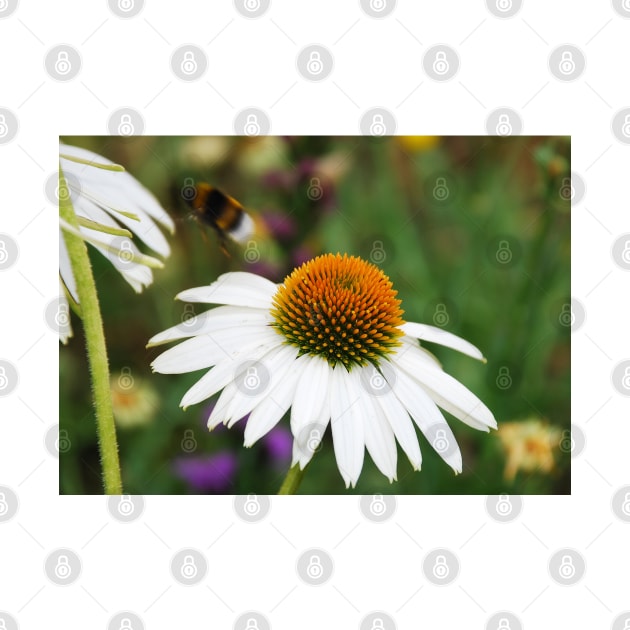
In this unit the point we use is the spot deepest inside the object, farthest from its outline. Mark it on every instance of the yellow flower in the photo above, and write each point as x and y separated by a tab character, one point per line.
134	400
529	446
418	143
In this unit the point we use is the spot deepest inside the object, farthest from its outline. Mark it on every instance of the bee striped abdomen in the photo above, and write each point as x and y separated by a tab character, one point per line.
222	212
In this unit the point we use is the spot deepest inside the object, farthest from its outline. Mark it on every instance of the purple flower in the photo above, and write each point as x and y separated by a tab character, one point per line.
283	180
281	226
207	473
279	445
307	167
300	255
268	270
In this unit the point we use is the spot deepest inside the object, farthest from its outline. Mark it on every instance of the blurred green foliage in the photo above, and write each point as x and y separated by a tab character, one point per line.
474	232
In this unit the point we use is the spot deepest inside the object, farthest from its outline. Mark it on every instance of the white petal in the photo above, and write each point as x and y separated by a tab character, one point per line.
310	411
277	363
446	391
110	189
137	275
379	437
346	423
65	269
402	426
237	288
310	393
145	229
63	319
209	384
211	320
220	375
206	350
82	154
116	249
420	352
270	411
427	416
217	416
444	338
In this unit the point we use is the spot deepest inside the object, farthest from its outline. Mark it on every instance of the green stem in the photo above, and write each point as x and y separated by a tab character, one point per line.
95	342
292	481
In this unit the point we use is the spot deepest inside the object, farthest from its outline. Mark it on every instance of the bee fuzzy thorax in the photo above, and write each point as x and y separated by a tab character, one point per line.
222	212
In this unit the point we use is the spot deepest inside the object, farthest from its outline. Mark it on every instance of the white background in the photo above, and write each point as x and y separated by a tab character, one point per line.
251	62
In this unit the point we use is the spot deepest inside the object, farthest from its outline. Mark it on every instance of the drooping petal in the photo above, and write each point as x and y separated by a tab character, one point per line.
113	190
379	436
137	275
346	423
401	425
144	228
446	391
310	411
444	338
427	416
270	411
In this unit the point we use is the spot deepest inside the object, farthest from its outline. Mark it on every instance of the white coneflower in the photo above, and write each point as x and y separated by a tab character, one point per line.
111	206
330	344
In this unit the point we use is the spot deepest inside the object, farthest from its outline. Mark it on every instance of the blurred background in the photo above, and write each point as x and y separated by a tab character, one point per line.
474	232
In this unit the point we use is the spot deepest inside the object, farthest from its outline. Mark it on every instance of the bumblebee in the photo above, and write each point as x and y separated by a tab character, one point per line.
220	211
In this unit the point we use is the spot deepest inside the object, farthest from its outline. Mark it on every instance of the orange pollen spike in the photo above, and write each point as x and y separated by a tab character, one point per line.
331	295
